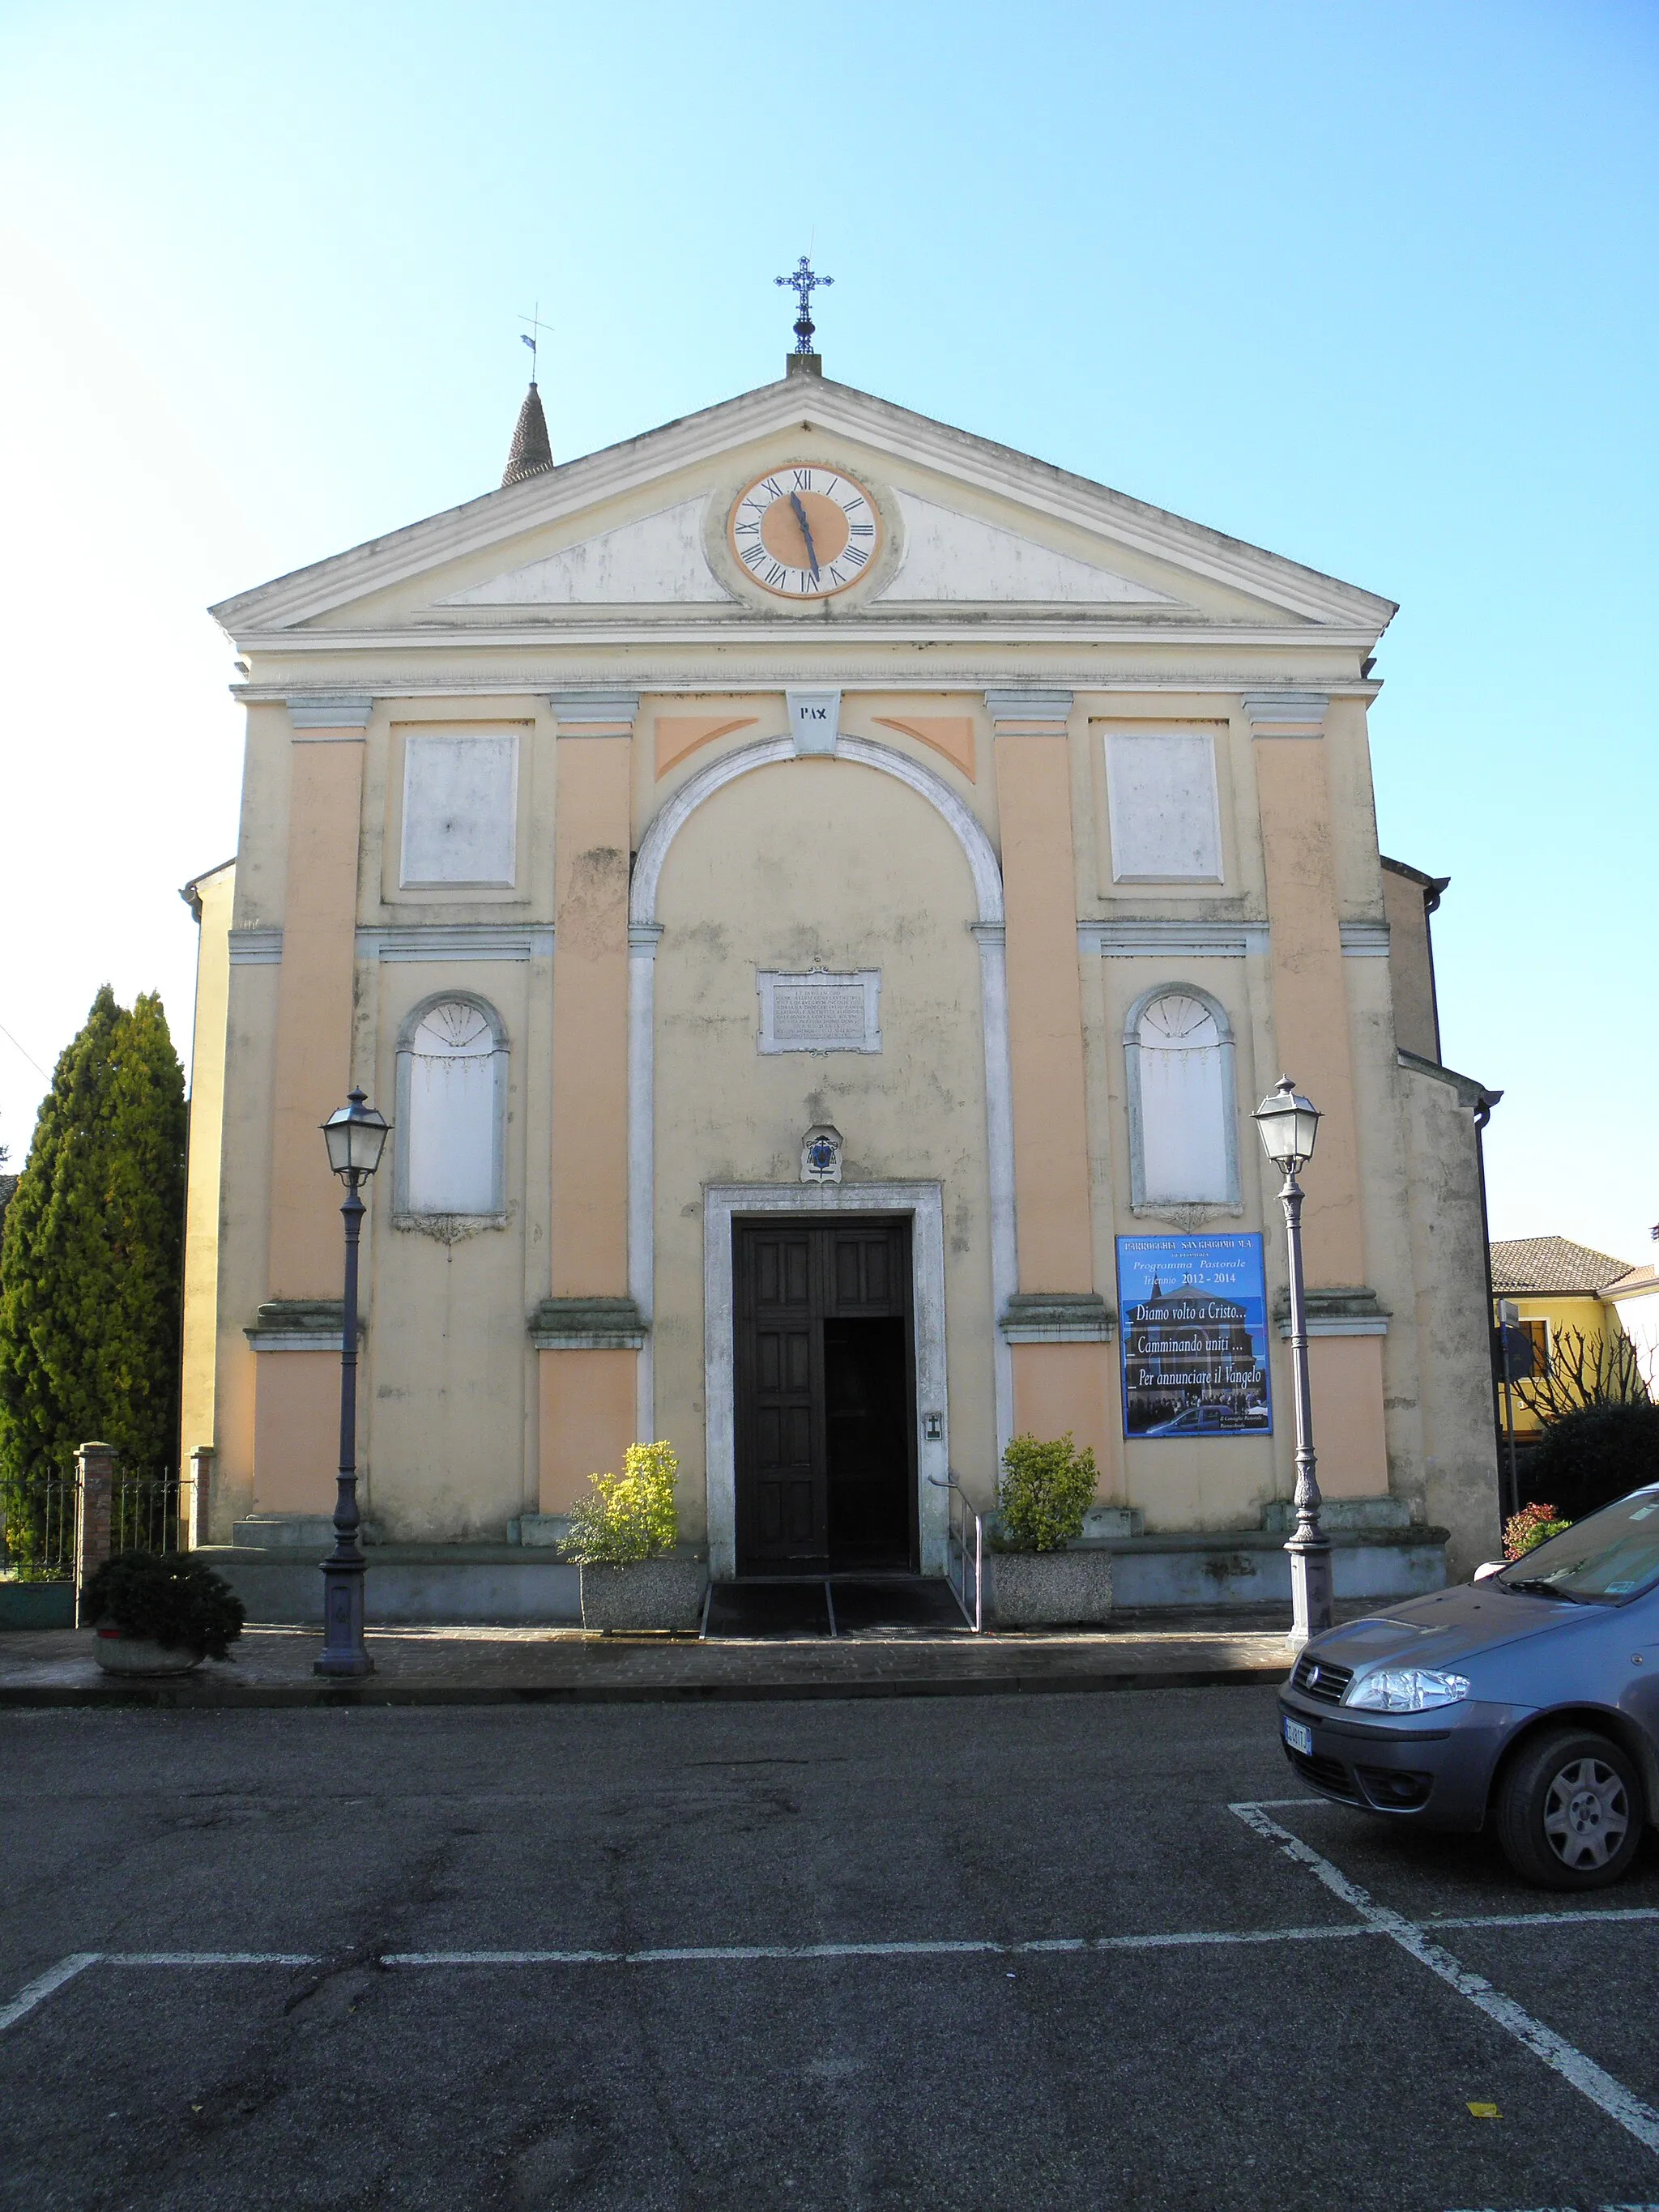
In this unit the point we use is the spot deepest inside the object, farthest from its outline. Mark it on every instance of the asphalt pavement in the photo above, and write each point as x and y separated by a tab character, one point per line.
1044	1950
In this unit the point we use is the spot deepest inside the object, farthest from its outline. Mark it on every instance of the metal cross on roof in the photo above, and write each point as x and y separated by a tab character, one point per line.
803	283
533	338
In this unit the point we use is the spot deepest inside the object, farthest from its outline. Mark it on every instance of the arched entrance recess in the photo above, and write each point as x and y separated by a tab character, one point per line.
644	933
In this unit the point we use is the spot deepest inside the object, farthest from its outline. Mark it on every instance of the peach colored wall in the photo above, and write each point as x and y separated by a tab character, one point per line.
950	734
1346	1373
590	1020
680	734
1045	1014
586	1420
313	1069
1059	1386
1309	995
296	1432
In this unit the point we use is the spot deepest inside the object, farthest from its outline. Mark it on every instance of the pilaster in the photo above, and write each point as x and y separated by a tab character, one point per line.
295	1398
1311	1034
588	1393
1060	1379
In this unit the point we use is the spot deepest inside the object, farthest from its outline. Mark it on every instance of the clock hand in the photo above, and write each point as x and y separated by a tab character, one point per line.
806	532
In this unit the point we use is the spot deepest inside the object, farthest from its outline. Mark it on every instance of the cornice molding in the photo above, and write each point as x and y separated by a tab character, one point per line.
1163	938
668	680
997	626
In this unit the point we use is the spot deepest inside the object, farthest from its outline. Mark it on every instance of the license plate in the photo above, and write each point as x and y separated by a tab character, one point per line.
1298	1738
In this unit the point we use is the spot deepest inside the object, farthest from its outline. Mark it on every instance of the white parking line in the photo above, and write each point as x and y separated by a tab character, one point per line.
1618	2102
54	1978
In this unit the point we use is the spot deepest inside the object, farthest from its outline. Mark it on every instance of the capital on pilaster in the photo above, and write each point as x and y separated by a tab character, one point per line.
595	714
328	713
1037	710
1285	714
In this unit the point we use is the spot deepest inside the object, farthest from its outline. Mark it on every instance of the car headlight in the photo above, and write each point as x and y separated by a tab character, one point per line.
1408	1690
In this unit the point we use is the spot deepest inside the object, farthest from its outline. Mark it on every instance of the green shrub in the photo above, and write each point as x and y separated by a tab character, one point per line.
1530	1527
1594	1455
168	1598
1047	1488
633	1516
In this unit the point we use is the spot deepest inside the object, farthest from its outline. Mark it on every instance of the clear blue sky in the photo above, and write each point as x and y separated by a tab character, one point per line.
1370	285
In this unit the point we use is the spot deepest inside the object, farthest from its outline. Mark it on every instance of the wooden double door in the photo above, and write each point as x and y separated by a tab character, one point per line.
826	1468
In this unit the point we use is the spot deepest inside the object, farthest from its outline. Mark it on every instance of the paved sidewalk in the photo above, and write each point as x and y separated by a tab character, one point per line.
508	1665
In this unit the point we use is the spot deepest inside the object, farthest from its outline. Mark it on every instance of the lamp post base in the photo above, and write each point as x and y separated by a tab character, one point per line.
343	1620
1310	1589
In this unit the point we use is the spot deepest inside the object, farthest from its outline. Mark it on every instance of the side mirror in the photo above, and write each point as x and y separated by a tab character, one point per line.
1491	1567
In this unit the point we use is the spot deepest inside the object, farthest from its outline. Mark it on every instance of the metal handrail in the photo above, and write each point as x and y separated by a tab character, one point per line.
962	1557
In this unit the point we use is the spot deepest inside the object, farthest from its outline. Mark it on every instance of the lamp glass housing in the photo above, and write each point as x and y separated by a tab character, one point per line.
1289	1124
356	1137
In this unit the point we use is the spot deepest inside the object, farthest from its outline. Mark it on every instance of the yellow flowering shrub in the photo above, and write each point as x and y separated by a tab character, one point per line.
632	1516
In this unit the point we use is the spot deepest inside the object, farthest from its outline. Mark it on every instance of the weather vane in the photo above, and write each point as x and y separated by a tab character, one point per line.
803	283
533	336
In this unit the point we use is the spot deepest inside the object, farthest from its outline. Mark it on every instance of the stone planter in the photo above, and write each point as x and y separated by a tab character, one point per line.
1071	1589
118	1653
648	1594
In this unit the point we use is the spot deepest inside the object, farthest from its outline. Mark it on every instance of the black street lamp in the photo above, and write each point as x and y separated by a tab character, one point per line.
356	1138
1289	1123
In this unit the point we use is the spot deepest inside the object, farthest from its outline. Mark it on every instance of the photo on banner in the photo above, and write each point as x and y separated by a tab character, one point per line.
1195	1335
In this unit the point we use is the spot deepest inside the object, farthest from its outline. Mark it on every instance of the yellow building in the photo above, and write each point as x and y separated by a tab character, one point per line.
819	895
1571	1301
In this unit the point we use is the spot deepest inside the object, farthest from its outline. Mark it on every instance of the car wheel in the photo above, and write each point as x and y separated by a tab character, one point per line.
1570	1811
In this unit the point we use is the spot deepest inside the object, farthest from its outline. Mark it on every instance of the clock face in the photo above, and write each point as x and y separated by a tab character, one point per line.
805	533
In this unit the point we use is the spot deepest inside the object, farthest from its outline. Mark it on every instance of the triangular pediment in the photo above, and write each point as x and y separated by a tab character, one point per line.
657	561
635	533
956	559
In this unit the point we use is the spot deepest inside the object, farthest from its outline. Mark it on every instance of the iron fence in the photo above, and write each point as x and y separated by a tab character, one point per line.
151	1511
37	1543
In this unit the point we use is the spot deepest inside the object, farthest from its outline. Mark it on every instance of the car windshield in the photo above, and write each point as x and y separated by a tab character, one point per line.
1614	1555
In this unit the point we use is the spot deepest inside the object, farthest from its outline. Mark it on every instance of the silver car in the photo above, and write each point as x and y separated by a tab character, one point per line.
1529	1697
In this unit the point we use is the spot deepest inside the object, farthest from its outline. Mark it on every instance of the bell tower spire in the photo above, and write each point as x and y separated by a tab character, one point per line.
532	450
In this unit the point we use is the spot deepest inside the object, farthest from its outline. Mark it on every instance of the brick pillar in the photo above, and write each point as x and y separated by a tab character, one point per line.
94	1485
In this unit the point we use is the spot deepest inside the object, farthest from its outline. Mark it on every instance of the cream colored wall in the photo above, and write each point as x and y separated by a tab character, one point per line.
787	867
819	875
216	894
1411	969
446	1439
1446	1321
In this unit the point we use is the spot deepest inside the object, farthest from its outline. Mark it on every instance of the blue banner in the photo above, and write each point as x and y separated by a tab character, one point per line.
1192	1318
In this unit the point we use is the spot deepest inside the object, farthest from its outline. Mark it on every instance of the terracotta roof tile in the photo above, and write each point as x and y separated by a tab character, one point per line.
1535	1266
1638	1279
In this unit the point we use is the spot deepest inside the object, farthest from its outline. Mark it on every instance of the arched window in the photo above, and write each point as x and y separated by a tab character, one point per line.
1183	1136
452	1103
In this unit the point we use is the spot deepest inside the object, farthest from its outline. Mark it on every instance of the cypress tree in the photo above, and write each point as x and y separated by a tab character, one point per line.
91	1264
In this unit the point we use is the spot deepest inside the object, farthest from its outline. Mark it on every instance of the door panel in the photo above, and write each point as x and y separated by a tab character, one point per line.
825	1427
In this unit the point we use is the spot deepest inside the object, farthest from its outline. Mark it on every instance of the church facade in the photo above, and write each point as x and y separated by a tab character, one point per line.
818	896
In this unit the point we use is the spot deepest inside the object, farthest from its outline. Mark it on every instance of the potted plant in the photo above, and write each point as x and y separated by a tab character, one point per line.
1042	1575
159	1614
625	1539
